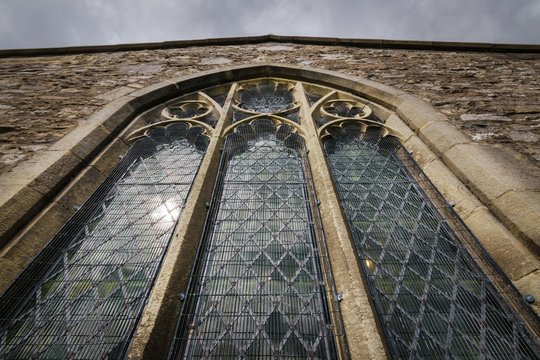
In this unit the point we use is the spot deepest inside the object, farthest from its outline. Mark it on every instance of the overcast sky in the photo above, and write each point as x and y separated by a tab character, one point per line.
51	23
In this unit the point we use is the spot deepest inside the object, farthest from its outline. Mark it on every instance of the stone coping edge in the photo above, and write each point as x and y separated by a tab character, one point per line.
303	40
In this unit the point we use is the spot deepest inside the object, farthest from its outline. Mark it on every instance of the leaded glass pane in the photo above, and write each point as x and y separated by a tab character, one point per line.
433	298
82	296
258	291
266	97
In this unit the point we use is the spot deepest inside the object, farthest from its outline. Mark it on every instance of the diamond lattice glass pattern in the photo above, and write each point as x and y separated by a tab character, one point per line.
98	270
260	293
433	299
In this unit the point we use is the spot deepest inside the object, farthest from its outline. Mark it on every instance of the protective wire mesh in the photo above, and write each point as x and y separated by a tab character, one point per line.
83	294
266	97
432	283
313	98
257	289
334	109
220	98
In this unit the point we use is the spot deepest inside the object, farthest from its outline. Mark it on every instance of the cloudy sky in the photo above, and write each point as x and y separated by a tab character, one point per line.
51	23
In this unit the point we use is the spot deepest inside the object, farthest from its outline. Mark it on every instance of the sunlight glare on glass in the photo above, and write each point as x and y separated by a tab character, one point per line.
166	212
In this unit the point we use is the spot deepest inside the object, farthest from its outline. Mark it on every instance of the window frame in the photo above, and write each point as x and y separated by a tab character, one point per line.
384	98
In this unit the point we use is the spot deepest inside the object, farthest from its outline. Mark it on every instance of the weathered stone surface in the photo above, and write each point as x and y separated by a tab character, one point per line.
42	98
116	93
521	210
110	157
9	272
484	117
452	188
26	245
114	114
62	165
83	140
395	123
508	252
417	114
529	285
81	188
420	152
441	136
17	210
491	171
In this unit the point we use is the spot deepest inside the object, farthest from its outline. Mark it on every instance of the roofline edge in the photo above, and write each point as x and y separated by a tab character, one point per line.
304	40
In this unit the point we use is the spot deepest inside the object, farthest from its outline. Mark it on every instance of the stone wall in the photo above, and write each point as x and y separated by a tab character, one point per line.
492	97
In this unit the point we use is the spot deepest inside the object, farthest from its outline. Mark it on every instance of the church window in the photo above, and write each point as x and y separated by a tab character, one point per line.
261	282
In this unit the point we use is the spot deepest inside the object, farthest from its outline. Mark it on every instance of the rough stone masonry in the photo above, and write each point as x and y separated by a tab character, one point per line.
492	97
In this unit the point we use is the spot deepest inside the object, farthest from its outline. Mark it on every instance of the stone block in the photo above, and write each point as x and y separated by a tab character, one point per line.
27	245
45	174
137	124
116	93
62	166
421	153
511	255
80	189
17	210
491	171
106	161
153	94
441	136
520	211
394	122
84	141
379	93
530	284
417	113
452	188
115	114
8	272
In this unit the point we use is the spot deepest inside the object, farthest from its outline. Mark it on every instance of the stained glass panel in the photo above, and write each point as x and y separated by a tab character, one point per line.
433	298
259	291
83	295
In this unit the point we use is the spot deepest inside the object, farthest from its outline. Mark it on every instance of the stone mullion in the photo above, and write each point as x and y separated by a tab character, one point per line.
361	325
155	330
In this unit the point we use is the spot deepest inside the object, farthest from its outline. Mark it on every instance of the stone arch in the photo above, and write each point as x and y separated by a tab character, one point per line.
418	125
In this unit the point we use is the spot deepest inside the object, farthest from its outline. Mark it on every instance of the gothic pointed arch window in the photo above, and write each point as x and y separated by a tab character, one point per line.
261	284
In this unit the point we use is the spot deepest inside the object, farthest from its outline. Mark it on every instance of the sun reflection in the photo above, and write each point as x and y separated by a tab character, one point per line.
166	212
370	265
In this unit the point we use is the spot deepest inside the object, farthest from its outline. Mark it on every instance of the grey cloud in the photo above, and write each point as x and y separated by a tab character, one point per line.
38	23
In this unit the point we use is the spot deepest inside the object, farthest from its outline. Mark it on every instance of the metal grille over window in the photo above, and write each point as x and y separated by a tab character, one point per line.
432	283
258	289
268	97
84	293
